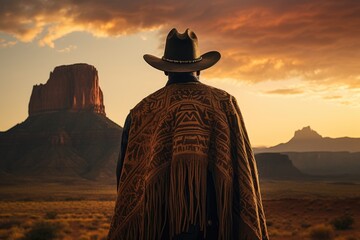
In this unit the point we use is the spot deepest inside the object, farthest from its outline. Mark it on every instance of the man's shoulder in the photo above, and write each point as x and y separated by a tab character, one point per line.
155	98
220	93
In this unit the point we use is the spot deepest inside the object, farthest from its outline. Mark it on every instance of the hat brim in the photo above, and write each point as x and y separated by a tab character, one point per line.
208	60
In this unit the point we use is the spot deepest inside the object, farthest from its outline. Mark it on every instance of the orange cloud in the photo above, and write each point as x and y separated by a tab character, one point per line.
333	97
285	91
316	41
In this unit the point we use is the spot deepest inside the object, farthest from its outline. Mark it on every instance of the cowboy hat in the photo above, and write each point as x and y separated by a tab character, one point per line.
182	54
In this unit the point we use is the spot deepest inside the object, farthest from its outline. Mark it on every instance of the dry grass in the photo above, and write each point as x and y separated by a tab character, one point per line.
287	225
84	212
74	220
321	232
89	219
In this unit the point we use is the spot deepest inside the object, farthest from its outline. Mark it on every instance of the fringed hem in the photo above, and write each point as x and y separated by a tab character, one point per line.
156	205
224	201
187	193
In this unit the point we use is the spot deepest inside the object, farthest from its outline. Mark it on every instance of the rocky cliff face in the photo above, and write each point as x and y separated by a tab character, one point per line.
277	166
327	163
67	135
70	87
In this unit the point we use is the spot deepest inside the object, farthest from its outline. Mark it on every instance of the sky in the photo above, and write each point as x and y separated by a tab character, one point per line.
289	63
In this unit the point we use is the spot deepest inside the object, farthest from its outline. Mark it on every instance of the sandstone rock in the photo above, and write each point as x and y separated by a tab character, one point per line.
70	87
66	135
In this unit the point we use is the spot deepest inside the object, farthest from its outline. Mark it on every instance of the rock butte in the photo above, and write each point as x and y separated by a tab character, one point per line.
66	135
70	87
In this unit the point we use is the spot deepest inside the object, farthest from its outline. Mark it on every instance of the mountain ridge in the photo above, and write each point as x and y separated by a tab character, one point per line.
308	140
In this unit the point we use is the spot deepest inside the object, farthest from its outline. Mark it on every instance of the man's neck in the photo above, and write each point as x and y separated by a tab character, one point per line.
182	78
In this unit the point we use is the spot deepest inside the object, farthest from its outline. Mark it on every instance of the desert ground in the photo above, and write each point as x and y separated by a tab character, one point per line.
83	210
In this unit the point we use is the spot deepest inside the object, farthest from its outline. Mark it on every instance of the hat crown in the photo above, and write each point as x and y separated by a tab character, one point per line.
181	46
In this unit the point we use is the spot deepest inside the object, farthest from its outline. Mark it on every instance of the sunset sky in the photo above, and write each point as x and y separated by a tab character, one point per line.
289	63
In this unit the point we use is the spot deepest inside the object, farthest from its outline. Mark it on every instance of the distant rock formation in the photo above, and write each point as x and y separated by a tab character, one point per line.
66	135
313	154
306	134
308	140
277	166
327	163
70	87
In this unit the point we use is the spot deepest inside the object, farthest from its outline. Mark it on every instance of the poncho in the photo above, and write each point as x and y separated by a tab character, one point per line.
176	136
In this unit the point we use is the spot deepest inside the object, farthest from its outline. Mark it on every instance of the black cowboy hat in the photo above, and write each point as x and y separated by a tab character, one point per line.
182	54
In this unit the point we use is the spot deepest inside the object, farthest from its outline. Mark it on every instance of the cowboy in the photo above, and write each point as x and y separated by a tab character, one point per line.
186	168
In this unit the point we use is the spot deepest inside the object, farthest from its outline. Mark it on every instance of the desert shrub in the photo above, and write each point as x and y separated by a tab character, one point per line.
43	231
8	224
305	225
343	223
321	232
51	215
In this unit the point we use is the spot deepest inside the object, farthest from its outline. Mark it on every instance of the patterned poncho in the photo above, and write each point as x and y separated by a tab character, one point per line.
176	136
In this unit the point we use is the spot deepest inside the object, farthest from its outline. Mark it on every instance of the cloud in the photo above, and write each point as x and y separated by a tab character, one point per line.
285	91
332	97
5	43
347	103
67	49
260	40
